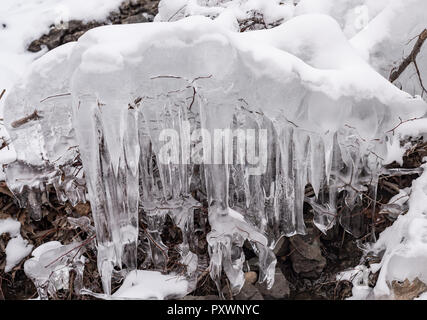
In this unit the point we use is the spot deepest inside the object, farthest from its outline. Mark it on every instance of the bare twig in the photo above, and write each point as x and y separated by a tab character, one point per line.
71	250
411	58
2	93
157	245
190	82
400	123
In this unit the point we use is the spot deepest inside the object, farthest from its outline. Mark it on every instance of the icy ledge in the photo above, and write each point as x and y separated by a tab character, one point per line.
107	101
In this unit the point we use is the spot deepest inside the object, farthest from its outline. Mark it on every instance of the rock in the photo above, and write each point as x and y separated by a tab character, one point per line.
282	246
280	289
135	11
253	264
249	292
251	277
60	35
306	256
407	290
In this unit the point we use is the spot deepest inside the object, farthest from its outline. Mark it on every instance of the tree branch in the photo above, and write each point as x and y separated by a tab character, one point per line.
411	58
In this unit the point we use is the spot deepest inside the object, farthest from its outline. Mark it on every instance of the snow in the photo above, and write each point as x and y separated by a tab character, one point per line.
10	226
390	36
22	21
45	247
360	281
422	296
404	243
315	78
228	12
319	80
293	73
50	265
411	128
17	248
151	285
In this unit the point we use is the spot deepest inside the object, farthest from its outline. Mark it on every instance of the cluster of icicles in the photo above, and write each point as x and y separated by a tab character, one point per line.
136	186
115	121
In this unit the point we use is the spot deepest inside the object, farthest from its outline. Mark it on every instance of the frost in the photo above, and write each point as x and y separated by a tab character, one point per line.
111	103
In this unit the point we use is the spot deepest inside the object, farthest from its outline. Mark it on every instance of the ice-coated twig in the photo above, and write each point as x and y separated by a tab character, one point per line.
178	11
55	96
71	250
400	123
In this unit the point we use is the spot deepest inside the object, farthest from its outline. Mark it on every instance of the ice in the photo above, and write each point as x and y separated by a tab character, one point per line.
50	266
154	112
51	157
38	16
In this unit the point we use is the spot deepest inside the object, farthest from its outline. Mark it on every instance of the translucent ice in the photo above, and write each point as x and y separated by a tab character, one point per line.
156	112
50	266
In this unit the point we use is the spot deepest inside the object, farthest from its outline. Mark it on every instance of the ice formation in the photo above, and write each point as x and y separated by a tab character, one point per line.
50	265
112	101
